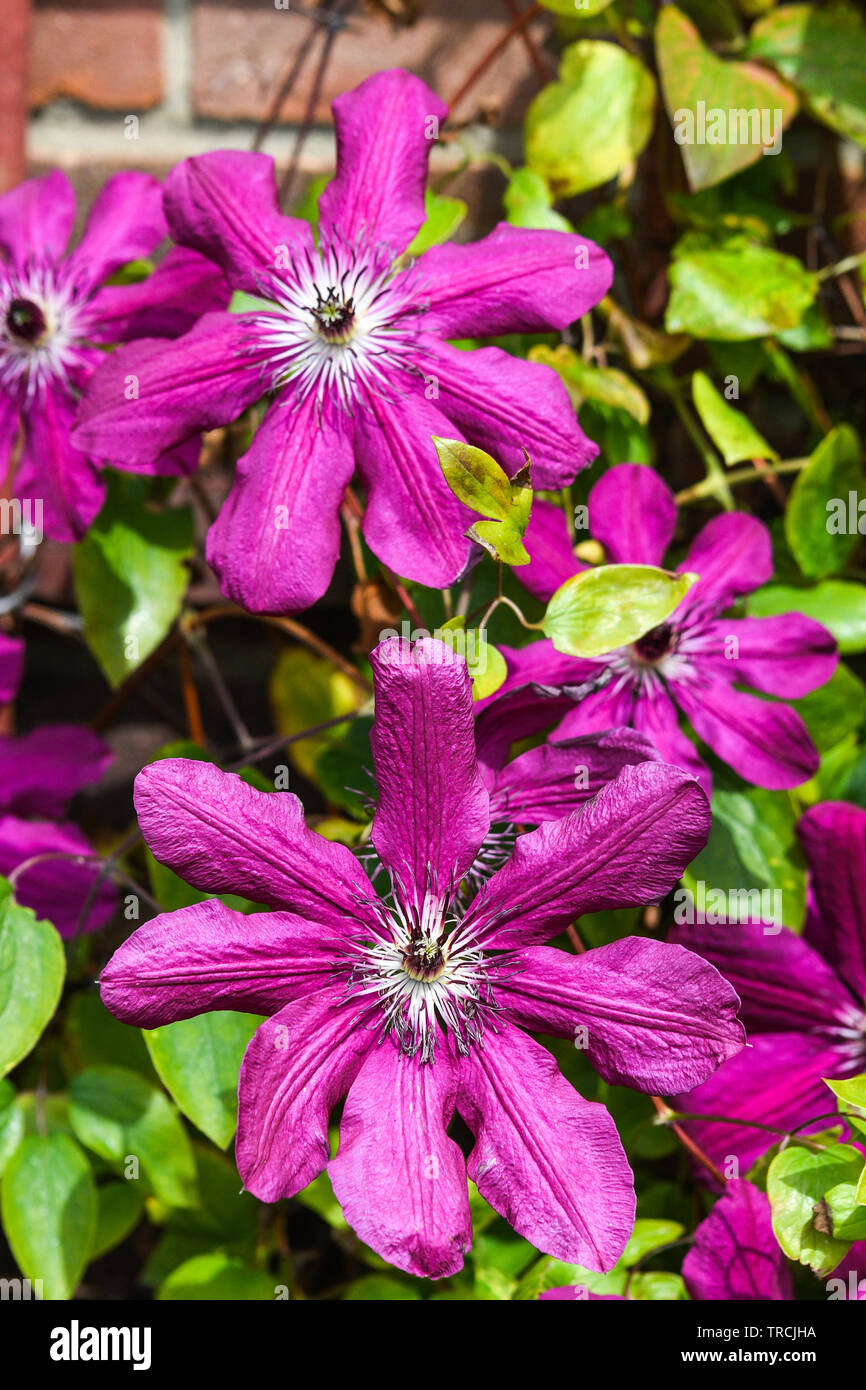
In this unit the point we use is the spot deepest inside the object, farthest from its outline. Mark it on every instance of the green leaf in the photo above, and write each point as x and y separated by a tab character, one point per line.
658	1286
216	1277
49	1212
752	847
132	273
852	1090
576	9
92	1035
800	1181
822	50
243	303
835	709
610	606
586	382
443	217
839	604
119	1210
11	1123
130	575
32	969
696	85
198	1060
305	690
733	433
480	484
819	513
486	664
380	1288
529	203
118	1115
649	1235
594	121
735	289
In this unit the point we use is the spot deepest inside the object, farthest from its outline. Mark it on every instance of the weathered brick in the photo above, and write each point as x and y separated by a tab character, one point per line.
104	53
244	47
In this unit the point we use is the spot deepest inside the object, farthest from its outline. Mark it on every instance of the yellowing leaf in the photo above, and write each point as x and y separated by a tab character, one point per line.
480	484
601	609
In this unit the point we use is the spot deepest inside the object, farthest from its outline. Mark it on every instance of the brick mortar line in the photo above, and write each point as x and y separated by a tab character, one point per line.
177	59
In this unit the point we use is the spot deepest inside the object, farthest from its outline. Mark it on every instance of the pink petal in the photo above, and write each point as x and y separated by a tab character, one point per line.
735	1255
656	1017
56	889
433	810
655	714
547	1160
208	956
183	287
150	396
547	782
505	405
549	541
223	836
767	743
54	469
633	513
732	555
277	537
628	846
782	981
224	204
775	1081
11	666
126	222
788	655
833	837
298	1065
385	130
413	523
40	772
398	1177
36	219
512	281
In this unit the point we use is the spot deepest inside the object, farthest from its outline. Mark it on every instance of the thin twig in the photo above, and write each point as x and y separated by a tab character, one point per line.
301	634
493	53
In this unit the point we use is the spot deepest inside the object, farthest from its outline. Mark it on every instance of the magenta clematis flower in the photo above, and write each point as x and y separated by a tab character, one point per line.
735	1256
39	774
691	661
351	345
54	317
414	1004
804	998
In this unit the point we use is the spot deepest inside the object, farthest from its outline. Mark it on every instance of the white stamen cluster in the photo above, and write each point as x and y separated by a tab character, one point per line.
27	367
423	972
339	323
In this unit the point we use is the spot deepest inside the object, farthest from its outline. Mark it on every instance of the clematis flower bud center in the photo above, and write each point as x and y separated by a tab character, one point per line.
26	321
334	316
654	644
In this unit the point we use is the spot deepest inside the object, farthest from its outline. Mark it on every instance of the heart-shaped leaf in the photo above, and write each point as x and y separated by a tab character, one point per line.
601	609
589	125
479	482
822	51
49	1212
734	288
723	114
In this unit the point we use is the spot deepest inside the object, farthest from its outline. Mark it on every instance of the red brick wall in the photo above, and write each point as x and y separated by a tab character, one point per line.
201	73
